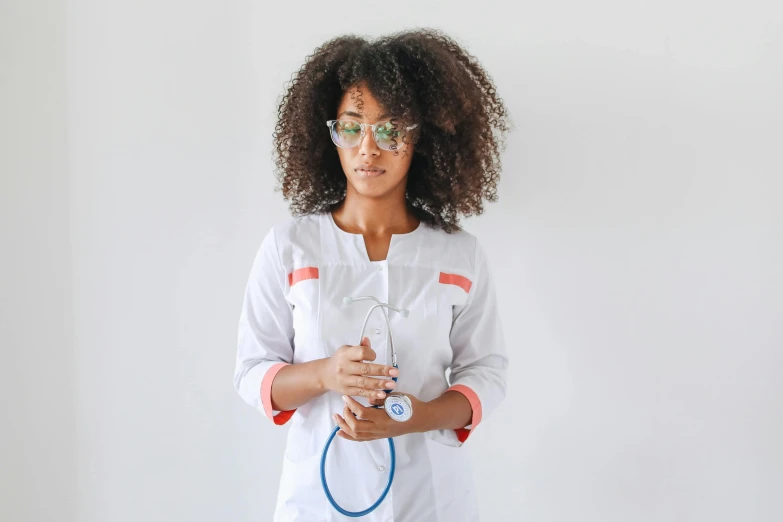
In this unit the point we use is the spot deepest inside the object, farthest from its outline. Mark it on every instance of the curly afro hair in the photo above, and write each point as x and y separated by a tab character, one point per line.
419	75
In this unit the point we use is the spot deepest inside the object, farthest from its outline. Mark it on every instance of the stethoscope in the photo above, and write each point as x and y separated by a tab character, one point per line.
398	407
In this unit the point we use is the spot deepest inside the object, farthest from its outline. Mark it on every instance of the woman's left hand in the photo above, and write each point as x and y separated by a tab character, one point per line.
363	423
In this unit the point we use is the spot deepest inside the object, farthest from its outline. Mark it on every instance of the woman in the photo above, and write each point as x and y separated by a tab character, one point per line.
380	148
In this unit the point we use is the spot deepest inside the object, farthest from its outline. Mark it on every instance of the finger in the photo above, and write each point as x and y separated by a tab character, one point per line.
358	410
376	402
364	368
343	426
357	426
365	342
362	353
345	436
367	393
370	383
364	438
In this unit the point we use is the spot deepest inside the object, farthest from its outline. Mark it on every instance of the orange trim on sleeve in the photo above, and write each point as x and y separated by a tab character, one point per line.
475	403
302	274
462	434
266	396
455	279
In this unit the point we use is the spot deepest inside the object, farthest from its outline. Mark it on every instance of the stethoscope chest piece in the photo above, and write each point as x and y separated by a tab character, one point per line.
398	407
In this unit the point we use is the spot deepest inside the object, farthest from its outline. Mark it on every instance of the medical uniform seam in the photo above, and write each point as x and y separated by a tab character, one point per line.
284	287
457	270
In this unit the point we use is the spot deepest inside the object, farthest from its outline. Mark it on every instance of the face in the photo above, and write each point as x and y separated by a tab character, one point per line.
372	172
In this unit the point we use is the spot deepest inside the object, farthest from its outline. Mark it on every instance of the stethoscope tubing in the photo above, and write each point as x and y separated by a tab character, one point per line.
393	464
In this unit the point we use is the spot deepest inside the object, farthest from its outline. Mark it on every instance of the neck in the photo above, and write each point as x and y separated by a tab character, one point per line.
374	217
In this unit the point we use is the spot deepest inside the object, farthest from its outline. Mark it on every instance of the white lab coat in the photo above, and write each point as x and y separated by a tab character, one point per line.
293	312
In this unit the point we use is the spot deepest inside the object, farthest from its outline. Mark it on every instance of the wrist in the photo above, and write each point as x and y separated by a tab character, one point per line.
424	420
319	375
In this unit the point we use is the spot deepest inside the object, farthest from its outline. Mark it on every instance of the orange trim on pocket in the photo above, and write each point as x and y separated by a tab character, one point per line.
302	274
455	279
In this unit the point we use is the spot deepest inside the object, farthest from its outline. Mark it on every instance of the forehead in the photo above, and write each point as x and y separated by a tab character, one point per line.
361	101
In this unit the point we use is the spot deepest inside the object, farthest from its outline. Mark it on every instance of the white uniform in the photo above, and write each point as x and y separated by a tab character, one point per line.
293	312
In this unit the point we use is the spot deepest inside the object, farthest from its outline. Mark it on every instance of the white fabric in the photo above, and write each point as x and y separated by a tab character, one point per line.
448	329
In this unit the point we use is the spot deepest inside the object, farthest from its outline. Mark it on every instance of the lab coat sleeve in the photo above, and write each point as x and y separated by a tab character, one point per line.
266	332
479	364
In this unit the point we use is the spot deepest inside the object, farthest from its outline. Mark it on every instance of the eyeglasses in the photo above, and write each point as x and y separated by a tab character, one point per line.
347	134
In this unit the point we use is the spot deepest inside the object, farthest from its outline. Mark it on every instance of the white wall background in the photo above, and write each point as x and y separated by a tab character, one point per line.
639	238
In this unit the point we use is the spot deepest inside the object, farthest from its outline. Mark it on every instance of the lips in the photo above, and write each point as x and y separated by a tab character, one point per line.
369	171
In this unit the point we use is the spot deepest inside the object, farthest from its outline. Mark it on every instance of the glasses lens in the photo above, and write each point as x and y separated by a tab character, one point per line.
346	133
390	136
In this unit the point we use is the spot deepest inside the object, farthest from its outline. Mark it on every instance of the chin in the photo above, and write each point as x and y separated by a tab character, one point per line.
371	188
372	193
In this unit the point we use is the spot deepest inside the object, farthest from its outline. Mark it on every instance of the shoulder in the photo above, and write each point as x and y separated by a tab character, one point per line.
459	248
297	230
297	241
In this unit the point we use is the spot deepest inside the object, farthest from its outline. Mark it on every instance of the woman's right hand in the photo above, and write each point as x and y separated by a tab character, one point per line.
347	374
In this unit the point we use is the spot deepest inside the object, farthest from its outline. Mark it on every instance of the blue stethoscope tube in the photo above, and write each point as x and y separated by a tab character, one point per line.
333	502
392	452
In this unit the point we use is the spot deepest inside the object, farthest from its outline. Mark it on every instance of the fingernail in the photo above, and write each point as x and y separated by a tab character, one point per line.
394	372
390	384
345	398
381	395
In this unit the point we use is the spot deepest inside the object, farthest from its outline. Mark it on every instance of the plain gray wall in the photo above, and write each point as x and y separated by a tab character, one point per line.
638	242
38	429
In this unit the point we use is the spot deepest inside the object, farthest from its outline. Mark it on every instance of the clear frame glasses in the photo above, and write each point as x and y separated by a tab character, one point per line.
348	134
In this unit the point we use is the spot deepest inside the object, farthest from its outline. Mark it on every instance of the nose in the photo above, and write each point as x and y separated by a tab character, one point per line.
368	145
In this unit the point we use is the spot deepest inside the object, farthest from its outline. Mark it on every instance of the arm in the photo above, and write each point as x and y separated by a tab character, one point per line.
360	423
297	384
479	364
265	376
344	372
266	333
450	411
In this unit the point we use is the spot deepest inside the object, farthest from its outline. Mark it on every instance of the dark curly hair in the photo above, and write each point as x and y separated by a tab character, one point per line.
419	75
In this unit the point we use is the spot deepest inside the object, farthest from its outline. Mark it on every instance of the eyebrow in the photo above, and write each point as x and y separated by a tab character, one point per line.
356	115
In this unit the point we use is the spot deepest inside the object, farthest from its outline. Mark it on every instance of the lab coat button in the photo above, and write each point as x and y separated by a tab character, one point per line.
377	331
381	468
379	268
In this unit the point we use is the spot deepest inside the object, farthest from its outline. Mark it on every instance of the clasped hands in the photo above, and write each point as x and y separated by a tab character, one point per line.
346	372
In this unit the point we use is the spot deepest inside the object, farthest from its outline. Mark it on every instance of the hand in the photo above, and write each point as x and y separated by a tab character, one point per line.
347	374
362	423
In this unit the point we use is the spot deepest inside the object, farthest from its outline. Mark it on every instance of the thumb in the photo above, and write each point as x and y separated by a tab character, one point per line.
365	342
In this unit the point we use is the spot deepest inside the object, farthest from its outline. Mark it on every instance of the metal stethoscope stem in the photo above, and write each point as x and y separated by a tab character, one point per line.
383	306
